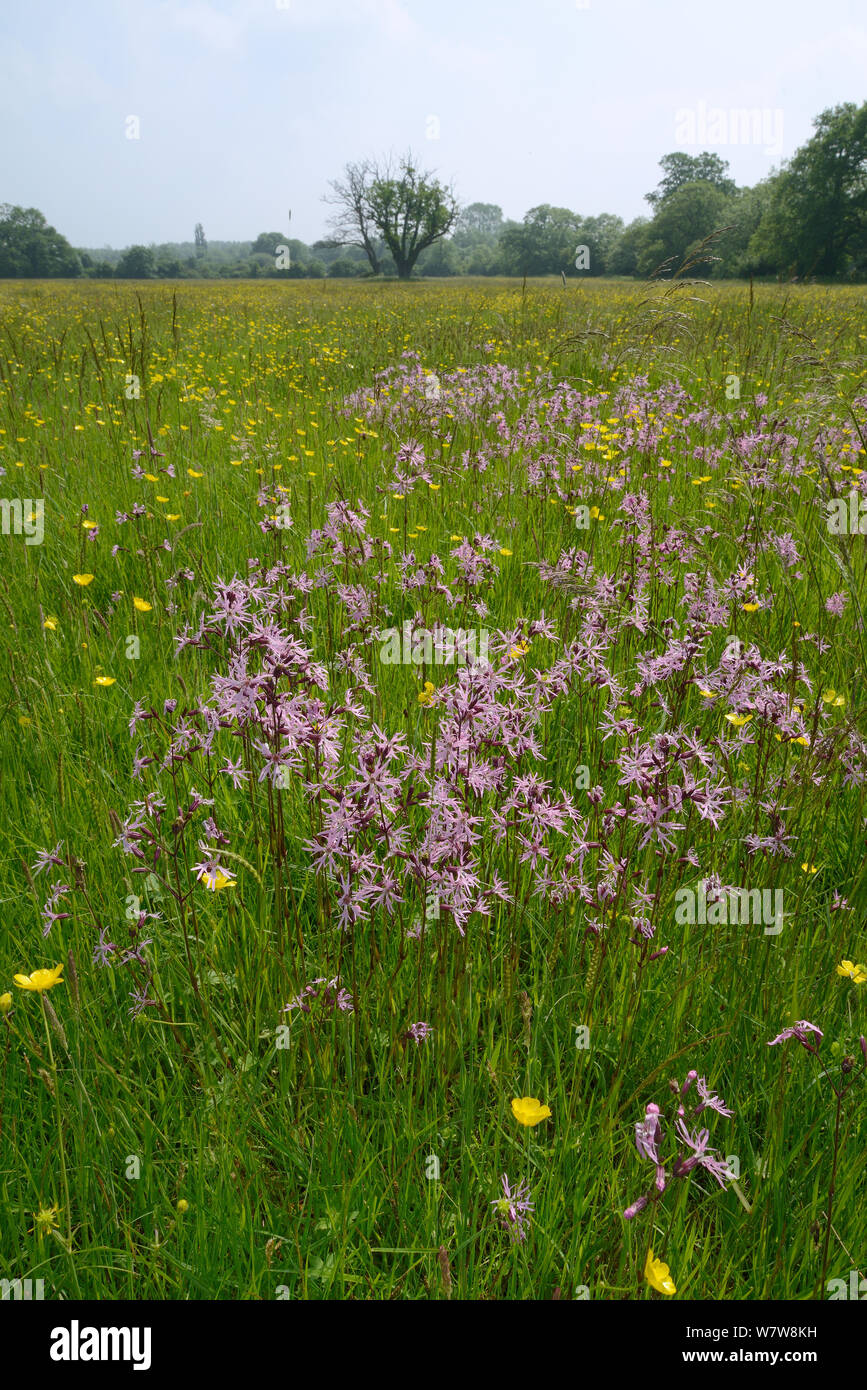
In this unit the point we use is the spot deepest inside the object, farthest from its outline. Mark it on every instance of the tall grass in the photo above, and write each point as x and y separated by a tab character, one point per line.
302	1143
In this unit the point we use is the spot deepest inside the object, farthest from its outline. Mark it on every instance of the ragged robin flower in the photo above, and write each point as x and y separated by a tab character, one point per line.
513	1208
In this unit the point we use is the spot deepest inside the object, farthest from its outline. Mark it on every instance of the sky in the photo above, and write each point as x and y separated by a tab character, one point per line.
129	121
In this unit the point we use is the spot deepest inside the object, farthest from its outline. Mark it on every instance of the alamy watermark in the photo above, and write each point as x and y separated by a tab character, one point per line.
77	1343
23	515
741	125
441	646
22	1290
738	906
856	1288
847	516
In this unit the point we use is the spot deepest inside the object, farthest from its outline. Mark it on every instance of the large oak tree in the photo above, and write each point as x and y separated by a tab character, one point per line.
401	209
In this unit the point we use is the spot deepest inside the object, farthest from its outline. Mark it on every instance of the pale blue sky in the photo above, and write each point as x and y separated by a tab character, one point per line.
248	107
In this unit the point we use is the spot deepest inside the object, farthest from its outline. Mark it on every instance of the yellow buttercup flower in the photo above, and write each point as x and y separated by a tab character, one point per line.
82	579
142	605
183	1204
658	1275
40	980
519	650
46	1220
5	1002
708	694
529	1111
503	551
856	973
425	695
51	624
830	697
809	868
749	607
104	680
738	719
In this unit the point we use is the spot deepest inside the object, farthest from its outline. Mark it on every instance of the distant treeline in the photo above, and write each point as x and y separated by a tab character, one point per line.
807	219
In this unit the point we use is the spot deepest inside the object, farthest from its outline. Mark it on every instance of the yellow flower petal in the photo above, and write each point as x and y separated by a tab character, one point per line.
658	1275
529	1111
40	979
849	970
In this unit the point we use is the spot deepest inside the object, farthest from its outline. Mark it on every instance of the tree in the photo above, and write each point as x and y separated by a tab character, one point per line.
816	223
136	263
477	223
683	219
544	244
201	244
741	215
600	235
266	244
345	268
408	208
352	224
482	259
29	247
440	259
630	249
682	168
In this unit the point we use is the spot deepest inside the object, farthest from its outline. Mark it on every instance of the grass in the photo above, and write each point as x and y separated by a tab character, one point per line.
327	1154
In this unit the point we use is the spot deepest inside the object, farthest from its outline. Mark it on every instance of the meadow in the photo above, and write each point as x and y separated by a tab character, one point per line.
401	964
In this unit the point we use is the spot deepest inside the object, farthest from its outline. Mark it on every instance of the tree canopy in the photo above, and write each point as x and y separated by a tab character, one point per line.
30	247
406	207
